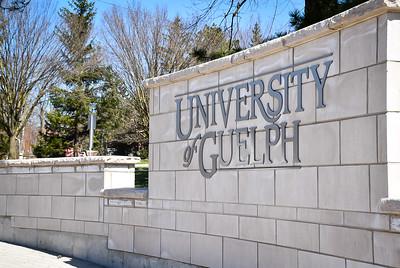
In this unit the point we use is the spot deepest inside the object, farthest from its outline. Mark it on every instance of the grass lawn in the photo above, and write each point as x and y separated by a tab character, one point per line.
142	173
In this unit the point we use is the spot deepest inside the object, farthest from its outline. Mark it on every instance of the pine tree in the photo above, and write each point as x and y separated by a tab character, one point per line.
318	10
85	81
256	37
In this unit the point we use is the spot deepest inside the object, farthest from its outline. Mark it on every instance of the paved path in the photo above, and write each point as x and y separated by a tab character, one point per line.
13	256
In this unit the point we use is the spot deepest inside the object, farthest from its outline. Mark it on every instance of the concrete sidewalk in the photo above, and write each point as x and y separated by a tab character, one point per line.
13	256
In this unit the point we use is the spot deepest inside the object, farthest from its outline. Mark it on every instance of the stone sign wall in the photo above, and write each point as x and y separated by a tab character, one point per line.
276	156
279	156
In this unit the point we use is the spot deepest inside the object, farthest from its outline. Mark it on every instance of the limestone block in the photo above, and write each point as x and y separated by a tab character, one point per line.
24	222
209	207
298	235
382	138
162	127
147	241
392	140
190	185
257	229
134	216
40	206
320	216
8	184
27	184
42	169
256	186
171	155
386	248
276	61
88	168
63	169
359	140
236	73
153	203
339	102
17	205
63	207
392	89
346	242
50	184
273	256
72	226
325	140
191	222
156	157
240	209
27	237
358	45
168	93
285	213
203	81
161	218
377	96
239	253
393	44
73	184
296	187
177	205
382	38
222	187
312	260
308	102
321	47
162	185
366	220
345	188
378	184
206	250
94	183
19	170
3	205
356	264
225	225
87	208
120	237
175	245
96	228
156	100
112	214
49	224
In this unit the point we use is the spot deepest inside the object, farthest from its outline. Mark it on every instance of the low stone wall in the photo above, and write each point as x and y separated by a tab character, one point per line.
310	199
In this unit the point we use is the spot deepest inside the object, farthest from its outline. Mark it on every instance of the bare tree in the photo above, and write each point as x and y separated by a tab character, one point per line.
29	57
14	5
135	39
229	18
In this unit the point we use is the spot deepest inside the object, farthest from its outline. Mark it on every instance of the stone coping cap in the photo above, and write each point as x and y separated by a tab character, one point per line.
390	205
126	193
347	18
70	161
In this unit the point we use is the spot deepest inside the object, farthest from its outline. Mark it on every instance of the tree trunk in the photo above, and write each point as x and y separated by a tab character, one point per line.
13	150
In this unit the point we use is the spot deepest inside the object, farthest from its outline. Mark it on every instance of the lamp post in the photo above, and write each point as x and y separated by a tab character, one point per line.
92	126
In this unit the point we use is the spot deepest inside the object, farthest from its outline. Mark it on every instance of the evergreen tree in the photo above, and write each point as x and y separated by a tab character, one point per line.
212	43
256	37
85	81
318	10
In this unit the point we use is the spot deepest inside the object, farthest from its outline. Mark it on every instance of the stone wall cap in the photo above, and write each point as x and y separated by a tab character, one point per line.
390	205
126	193
70	161
345	19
